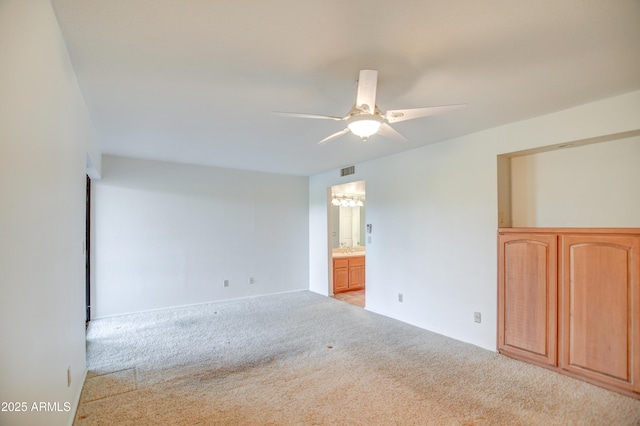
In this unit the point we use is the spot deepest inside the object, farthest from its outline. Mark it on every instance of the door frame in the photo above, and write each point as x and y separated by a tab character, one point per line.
330	219
87	252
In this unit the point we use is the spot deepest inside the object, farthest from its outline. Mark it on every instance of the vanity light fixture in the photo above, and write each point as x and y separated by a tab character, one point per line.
347	201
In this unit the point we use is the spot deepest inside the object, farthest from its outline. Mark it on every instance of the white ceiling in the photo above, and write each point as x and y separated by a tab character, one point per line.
195	81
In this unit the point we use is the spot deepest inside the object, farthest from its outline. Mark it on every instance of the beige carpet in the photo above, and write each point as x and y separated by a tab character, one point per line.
304	359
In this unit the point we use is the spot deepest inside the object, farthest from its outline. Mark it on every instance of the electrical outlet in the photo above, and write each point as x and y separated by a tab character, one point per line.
226	283
251	280
477	317
400	298
69	376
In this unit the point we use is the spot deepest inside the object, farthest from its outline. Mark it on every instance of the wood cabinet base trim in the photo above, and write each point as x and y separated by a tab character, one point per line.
559	370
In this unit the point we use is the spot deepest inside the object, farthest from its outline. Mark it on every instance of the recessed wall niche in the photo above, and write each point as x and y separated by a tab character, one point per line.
588	183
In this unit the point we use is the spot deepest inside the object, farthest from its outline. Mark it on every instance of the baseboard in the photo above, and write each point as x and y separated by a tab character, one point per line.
197	304
76	402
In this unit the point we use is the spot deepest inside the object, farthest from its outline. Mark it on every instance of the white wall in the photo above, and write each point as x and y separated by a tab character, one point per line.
594	185
434	212
45	132
169	234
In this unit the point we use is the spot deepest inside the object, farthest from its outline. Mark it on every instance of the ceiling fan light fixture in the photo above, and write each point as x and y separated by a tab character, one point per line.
364	125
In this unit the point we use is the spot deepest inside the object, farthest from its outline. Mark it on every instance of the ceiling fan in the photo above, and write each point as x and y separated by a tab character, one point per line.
365	119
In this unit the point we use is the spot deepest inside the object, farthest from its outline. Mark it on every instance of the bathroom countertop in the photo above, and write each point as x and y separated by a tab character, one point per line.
349	253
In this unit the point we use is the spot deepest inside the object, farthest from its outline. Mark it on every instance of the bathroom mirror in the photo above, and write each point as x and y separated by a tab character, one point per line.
349	226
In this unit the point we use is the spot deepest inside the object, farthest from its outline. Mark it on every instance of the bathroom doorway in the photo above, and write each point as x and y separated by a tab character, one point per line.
347	262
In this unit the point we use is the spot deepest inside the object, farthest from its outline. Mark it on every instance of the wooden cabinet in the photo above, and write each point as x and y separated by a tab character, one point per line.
569	300
348	273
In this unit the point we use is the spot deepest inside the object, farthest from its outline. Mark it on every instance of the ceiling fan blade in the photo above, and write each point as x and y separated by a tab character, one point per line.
367	85
396	115
333	136
391	133
301	115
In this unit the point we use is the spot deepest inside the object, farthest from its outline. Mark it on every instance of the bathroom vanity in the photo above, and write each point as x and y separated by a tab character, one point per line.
348	271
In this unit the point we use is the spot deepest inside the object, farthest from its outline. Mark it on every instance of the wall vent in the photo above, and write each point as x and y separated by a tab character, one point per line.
348	171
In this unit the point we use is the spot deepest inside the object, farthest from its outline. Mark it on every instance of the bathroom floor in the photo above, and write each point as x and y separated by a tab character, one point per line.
355	297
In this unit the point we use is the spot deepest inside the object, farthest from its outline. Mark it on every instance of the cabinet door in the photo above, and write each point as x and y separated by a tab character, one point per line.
527	297
356	277
599	319
340	280
340	275
356	273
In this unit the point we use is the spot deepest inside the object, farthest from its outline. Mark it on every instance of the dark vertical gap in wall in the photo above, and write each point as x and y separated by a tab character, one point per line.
87	253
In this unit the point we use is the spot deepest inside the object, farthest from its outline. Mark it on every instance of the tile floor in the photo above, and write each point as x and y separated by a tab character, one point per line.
355	297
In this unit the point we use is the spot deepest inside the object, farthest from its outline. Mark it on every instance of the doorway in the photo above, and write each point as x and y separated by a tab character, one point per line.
346	240
87	253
